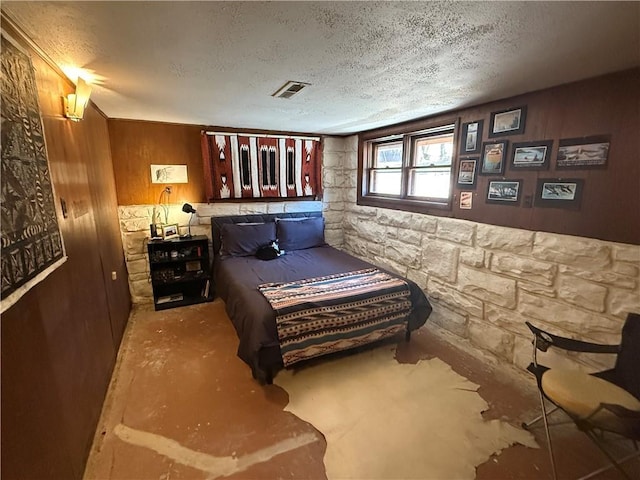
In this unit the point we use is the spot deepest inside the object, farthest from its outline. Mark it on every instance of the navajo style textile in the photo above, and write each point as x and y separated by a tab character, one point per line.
337	312
31	240
244	166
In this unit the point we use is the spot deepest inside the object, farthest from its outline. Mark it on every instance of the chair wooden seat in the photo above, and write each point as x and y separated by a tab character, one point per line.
600	402
582	395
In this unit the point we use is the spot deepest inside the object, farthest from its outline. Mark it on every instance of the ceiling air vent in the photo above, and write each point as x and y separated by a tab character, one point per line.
289	89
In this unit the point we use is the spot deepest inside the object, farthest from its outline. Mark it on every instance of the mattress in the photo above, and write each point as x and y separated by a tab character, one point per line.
237	280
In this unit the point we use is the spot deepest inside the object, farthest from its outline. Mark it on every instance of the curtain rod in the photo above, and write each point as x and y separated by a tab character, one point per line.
262	135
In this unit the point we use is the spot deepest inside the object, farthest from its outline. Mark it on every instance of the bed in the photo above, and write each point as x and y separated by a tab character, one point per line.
271	303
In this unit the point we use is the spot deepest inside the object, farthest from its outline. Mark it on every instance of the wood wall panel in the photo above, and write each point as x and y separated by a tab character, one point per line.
105	203
59	342
135	145
607	105
32	431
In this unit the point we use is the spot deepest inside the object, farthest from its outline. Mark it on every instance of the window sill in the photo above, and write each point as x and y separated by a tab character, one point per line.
417	206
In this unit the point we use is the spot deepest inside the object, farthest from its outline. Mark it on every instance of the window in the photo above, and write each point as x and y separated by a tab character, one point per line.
430	170
413	169
386	170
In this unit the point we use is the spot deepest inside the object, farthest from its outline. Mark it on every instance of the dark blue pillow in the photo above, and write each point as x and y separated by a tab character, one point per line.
298	234
243	240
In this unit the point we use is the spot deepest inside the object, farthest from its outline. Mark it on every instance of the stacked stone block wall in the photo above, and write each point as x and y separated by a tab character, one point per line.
485	281
334	185
134	228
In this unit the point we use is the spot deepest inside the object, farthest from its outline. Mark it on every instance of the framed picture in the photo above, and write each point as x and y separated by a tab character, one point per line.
583	152
559	192
506	192
169	174
170	231
471	138
467	172
193	266
466	200
531	155
507	122
493	155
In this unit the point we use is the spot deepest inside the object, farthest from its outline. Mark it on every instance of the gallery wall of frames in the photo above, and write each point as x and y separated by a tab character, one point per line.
562	160
492	157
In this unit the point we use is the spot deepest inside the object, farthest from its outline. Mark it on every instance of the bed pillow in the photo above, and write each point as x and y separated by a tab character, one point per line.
300	234
241	240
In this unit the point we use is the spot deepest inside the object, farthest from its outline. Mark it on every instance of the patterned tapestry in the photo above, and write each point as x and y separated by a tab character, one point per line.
244	166
31	240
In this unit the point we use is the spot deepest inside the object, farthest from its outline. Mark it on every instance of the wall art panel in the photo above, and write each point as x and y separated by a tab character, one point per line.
32	245
249	166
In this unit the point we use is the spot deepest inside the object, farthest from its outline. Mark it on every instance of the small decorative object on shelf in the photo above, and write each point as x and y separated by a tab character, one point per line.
180	271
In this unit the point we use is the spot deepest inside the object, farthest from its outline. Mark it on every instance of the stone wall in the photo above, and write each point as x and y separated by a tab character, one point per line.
486	281
483	281
134	227
335	183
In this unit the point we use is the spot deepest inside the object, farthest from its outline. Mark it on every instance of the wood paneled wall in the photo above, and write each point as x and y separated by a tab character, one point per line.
59	342
136	145
607	105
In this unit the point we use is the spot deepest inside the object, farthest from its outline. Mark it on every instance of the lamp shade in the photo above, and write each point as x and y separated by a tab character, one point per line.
75	104
187	208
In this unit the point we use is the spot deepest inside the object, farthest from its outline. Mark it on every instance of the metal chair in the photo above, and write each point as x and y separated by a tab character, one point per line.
607	401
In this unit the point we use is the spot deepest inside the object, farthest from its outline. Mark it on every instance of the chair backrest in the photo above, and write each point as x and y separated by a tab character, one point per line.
627	367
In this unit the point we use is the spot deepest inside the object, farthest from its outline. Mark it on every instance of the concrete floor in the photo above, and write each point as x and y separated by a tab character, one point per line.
182	405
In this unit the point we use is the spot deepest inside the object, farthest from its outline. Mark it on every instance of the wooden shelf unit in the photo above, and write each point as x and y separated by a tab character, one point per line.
180	271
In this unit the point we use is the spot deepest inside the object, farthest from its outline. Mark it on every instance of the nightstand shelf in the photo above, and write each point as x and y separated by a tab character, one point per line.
180	271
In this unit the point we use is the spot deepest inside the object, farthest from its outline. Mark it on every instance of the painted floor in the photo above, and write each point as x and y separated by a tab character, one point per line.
182	405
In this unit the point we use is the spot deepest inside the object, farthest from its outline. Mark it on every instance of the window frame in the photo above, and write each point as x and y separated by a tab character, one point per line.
412	166
409	134
374	146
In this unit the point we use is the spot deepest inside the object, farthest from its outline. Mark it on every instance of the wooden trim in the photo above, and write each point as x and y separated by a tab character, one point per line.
14	29
417	206
413	127
261	135
135	120
258	132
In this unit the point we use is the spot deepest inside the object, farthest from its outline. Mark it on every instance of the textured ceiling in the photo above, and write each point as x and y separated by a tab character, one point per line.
370	63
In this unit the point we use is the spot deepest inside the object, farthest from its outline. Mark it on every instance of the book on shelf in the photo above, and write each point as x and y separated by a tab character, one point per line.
205	291
176	297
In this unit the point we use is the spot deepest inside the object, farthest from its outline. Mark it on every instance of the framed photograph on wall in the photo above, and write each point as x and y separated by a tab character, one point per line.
505	192
471	138
493	157
559	192
583	152
531	155
467	172
466	200
507	122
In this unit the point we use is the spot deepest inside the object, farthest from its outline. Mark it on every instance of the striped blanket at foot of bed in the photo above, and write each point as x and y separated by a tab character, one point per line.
337	312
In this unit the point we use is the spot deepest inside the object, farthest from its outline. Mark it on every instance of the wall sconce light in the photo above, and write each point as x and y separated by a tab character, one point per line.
187	208
75	103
